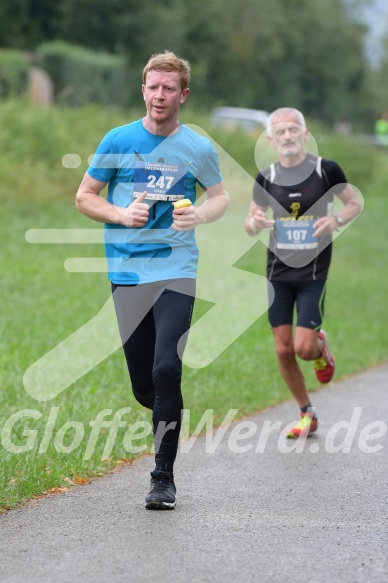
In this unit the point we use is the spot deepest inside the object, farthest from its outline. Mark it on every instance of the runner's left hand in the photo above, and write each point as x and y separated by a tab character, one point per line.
325	226
185	219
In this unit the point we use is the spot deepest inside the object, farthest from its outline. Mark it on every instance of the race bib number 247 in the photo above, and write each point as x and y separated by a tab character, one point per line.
160	181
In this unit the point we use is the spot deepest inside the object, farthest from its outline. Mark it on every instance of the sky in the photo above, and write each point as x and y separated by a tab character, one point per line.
377	17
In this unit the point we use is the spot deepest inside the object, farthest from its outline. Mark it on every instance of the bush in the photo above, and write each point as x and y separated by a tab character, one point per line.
14	68
81	76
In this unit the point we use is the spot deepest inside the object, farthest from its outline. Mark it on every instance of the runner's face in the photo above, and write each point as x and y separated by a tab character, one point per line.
288	136
163	95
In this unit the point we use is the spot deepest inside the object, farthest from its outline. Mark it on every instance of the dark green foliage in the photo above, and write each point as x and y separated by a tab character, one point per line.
82	76
260	53
14	68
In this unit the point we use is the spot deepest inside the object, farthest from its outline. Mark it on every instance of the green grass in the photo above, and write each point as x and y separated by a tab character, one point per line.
42	303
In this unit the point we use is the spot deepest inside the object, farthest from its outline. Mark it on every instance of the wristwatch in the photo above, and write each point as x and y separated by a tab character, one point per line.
339	220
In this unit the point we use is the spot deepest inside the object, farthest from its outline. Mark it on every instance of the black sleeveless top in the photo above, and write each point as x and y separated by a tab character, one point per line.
298	196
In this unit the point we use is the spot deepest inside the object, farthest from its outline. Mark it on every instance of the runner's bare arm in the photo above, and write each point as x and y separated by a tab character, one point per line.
91	204
214	207
257	220
351	209
352	204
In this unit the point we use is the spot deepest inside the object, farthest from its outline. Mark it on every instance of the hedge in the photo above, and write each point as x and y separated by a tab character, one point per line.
14	67
81	76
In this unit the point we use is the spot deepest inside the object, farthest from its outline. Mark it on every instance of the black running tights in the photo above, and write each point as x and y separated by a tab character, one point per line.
154	320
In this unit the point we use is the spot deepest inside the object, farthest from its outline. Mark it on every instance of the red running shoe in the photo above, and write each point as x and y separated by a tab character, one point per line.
324	366
305	427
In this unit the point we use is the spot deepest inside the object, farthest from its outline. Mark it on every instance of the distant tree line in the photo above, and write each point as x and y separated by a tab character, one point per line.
254	53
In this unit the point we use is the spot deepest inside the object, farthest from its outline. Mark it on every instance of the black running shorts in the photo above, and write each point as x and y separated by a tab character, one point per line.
305	297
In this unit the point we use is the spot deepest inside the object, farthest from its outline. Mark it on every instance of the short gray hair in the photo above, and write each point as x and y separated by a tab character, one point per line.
285	110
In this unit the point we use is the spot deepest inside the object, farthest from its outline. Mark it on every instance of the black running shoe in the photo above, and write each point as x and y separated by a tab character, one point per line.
162	493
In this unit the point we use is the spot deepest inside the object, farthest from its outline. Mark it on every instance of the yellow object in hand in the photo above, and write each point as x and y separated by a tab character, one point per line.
180	204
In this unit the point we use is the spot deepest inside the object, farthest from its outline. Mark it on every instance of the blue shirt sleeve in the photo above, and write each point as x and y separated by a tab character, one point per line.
210	174
104	163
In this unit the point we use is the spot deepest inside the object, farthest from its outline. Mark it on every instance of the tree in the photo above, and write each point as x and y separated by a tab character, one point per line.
259	53
26	23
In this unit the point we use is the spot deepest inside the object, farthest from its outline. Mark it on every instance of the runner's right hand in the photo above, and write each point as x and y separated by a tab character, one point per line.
136	214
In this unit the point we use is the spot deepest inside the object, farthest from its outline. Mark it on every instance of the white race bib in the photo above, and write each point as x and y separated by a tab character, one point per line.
160	181
295	234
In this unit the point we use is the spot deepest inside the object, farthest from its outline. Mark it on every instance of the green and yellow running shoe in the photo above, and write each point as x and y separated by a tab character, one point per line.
305	427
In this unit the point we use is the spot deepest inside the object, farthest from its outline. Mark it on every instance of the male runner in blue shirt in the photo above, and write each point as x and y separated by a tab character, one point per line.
150	246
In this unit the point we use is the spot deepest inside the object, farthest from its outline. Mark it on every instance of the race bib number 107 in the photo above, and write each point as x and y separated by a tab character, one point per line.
160	181
296	234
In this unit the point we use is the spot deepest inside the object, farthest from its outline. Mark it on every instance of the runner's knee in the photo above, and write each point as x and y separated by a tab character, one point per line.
306	351
285	352
147	400
167	374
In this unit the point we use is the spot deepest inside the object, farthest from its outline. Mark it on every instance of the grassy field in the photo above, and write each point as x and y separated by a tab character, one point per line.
43	303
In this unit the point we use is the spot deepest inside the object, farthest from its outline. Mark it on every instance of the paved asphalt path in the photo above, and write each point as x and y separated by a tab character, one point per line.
276	515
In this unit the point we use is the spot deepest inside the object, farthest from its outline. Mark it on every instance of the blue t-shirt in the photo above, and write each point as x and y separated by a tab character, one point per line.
132	160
